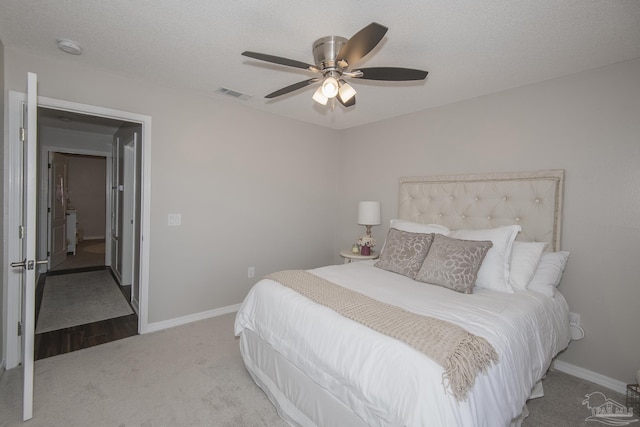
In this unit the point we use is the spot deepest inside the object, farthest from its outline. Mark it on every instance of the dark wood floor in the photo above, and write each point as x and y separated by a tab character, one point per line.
77	337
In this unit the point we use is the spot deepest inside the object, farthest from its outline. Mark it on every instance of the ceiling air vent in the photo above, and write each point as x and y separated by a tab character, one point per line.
233	93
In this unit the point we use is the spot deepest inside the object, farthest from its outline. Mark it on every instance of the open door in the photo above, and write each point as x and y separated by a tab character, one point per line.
27	237
128	213
58	194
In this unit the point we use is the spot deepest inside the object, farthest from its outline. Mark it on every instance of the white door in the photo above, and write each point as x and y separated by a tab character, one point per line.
128	213
58	192
28	241
115	208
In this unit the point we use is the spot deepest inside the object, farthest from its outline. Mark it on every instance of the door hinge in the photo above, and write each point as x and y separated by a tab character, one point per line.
48	253
21	232
49	166
22	134
19	329
49	210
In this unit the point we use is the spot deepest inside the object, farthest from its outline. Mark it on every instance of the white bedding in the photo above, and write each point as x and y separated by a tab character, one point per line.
386	382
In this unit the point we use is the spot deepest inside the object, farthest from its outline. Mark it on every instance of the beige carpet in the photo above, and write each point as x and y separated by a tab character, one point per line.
193	375
78	299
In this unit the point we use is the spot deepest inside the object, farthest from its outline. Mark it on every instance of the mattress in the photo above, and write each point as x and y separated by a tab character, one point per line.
384	382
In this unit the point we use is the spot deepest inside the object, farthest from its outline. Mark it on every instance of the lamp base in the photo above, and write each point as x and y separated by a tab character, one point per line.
368	230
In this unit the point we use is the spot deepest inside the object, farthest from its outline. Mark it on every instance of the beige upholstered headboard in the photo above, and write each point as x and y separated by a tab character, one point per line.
531	199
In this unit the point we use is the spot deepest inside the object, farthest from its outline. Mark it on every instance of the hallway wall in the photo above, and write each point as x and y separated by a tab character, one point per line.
87	193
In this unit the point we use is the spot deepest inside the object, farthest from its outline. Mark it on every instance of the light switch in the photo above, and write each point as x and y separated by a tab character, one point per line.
175	219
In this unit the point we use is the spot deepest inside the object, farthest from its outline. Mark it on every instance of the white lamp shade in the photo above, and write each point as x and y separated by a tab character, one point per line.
330	87
346	92
319	97
369	213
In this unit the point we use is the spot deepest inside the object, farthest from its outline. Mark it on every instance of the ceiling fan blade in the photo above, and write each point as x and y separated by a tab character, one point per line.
291	88
349	103
362	43
279	60
393	74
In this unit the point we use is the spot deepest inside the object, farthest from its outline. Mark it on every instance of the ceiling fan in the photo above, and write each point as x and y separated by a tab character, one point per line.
335	58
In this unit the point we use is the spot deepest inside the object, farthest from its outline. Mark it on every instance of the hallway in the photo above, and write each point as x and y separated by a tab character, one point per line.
88	254
88	258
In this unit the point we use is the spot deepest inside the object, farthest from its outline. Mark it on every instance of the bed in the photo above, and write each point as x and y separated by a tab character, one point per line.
321	368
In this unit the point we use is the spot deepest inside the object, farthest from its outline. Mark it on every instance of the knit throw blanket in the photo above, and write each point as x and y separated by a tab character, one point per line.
462	355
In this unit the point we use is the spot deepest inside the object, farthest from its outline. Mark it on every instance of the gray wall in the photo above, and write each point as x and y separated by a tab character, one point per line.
87	193
587	124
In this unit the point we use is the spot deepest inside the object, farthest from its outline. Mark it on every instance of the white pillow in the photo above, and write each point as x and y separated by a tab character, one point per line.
414	227
525	257
549	272
494	272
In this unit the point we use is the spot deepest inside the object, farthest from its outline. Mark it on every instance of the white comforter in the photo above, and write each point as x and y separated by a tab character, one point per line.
386	382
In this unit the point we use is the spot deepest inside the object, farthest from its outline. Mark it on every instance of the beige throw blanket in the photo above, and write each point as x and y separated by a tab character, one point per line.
461	354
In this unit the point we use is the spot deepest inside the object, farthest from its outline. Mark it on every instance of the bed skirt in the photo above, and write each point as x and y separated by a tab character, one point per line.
298	400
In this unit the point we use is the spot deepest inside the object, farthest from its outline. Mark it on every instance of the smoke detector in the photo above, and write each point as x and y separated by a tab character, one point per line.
69	46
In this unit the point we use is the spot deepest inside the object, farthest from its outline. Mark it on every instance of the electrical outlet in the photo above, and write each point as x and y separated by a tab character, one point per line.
251	272
574	318
174	220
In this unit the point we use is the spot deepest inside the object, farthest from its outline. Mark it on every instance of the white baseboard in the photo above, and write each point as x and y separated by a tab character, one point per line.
594	377
93	238
165	324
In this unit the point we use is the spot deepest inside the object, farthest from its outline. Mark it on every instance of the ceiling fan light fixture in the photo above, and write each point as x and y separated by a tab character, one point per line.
319	97
330	87
346	92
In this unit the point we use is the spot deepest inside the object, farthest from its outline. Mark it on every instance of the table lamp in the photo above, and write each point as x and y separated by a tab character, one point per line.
369	214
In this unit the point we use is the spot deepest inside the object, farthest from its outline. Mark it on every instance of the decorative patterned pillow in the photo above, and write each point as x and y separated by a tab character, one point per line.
404	252
453	263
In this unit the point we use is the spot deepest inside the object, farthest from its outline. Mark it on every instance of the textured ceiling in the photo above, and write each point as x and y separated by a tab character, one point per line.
469	47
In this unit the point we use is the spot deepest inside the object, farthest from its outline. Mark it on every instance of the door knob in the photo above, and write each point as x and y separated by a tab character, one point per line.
28	264
22	264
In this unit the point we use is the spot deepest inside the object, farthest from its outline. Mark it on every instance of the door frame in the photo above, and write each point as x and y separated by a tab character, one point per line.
12	195
45	217
51	207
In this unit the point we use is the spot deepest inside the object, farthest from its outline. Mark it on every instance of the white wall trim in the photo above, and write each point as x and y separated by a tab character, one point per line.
166	324
594	377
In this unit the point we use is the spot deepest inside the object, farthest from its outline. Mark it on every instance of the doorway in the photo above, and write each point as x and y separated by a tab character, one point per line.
81	164
77	204
16	100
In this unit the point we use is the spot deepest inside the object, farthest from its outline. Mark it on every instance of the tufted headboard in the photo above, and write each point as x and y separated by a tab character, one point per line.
531	199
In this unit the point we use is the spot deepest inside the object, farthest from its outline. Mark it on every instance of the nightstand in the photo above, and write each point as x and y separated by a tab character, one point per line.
353	257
